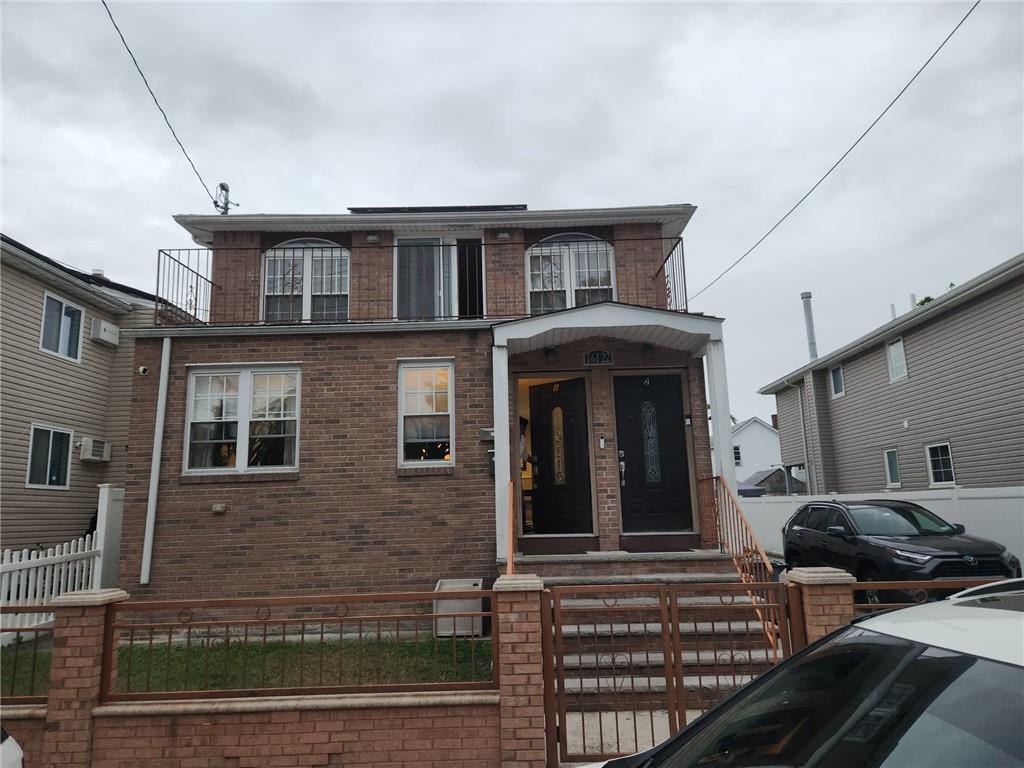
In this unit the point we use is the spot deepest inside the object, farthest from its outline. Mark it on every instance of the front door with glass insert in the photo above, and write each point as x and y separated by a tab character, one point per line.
560	449
654	476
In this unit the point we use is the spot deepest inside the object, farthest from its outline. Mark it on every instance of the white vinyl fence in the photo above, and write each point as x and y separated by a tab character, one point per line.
991	513
37	576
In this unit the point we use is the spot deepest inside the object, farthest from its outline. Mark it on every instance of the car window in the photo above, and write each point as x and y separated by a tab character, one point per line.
899	521
835	517
865	699
816	518
800	517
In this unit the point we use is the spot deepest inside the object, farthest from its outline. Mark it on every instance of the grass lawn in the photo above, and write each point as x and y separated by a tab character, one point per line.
276	664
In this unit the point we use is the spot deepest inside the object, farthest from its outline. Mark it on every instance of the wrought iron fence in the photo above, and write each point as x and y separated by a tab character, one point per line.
302	645
873	596
24	654
627	666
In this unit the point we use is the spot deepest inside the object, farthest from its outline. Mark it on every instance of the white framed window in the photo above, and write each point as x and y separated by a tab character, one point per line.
49	457
569	270
892	468
737	455
896	357
306	280
61	331
426	412
939	457
837	382
439	277
243	420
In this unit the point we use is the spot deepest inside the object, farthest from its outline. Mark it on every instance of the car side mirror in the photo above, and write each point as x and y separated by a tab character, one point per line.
959	528
836	530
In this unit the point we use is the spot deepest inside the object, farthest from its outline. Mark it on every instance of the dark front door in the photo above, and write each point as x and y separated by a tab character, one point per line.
561	480
654	475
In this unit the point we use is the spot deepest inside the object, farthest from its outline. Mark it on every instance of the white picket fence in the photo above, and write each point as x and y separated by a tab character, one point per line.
37	576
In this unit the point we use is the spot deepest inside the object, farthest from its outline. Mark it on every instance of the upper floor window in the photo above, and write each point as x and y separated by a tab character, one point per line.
306	280
243	419
438	277
838	381
896	357
49	458
61	333
570	270
737	455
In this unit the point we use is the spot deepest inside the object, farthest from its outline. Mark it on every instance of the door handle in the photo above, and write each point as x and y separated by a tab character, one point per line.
622	468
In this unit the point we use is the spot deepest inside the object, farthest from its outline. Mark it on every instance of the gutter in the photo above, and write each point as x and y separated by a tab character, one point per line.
14	258
154	467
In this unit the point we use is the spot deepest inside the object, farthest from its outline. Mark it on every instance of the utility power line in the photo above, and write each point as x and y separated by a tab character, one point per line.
156	101
828	173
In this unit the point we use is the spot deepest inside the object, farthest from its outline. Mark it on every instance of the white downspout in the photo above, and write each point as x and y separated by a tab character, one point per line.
154	468
502	458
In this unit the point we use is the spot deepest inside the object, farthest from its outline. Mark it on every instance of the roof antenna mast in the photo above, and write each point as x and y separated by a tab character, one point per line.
223	202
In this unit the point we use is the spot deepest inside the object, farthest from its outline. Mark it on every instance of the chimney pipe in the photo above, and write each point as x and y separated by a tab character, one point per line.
913	301
812	344
892	311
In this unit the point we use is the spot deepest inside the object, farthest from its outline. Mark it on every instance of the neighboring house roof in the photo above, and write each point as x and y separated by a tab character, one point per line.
983	283
109	294
760	476
673	218
752	420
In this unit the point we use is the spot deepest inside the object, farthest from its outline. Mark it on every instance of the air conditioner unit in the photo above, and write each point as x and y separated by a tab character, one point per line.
95	449
105	332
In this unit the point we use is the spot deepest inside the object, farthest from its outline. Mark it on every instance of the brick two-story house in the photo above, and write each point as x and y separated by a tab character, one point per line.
357	402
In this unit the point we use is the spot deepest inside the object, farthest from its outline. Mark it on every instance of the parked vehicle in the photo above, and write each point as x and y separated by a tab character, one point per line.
883	540
931	686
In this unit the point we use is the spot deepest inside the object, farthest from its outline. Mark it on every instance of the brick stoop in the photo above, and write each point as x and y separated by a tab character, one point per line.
614	567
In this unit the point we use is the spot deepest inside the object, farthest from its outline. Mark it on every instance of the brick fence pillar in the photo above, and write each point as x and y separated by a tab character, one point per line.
826	597
75	674
521	671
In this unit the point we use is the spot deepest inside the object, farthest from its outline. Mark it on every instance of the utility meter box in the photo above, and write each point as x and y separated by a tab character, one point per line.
458	626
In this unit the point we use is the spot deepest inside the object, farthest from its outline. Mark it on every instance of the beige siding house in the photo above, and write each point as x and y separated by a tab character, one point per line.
933	399
65	389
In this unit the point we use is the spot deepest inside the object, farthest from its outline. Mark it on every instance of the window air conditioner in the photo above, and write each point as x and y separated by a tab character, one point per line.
95	449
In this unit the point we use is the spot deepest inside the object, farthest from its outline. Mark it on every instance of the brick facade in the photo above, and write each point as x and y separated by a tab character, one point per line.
349	520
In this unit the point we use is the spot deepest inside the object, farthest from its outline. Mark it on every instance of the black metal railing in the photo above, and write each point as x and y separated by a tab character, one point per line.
421	279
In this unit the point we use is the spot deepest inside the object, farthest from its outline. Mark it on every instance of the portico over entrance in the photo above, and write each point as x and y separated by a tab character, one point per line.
601	435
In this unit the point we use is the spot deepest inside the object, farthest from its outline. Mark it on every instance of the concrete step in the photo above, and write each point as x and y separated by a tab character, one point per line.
598	579
653	628
625	563
631	661
626	684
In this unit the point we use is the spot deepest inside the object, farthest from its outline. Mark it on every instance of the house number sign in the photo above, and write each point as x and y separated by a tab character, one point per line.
597	357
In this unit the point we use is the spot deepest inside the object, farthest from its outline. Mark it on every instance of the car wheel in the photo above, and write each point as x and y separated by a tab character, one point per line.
871	596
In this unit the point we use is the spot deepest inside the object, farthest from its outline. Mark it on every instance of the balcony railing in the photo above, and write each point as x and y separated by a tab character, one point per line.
423	279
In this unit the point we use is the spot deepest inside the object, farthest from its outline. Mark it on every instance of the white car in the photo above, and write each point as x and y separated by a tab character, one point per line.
11	755
939	685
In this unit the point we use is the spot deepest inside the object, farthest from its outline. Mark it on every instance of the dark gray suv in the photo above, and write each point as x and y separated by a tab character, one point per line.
884	540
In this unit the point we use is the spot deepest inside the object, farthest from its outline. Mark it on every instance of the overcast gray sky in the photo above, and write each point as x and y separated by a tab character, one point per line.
737	108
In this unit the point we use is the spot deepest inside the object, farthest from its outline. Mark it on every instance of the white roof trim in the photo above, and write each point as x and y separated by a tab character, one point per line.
976	286
660	327
747	422
202	226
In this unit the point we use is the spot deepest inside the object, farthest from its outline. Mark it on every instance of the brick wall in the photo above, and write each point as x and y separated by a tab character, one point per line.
349	520
237	270
449	736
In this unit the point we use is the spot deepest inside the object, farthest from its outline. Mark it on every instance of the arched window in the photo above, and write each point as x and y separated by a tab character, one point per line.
570	270
305	280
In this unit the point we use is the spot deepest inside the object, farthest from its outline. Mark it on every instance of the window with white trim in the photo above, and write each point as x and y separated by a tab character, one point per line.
896	357
305	280
49	458
243	420
892	468
838	383
61	333
940	464
426	424
737	455
570	270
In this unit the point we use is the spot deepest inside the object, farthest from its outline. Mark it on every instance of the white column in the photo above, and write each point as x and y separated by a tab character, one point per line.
108	536
721	421
502	460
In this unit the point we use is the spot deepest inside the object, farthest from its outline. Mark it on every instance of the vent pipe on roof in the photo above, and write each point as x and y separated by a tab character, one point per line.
812	344
892	311
97	273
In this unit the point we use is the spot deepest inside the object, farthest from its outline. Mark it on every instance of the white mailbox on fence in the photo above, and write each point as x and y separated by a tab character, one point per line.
458	626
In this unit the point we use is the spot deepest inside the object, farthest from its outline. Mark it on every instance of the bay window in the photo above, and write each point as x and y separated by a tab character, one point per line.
570	270
243	419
